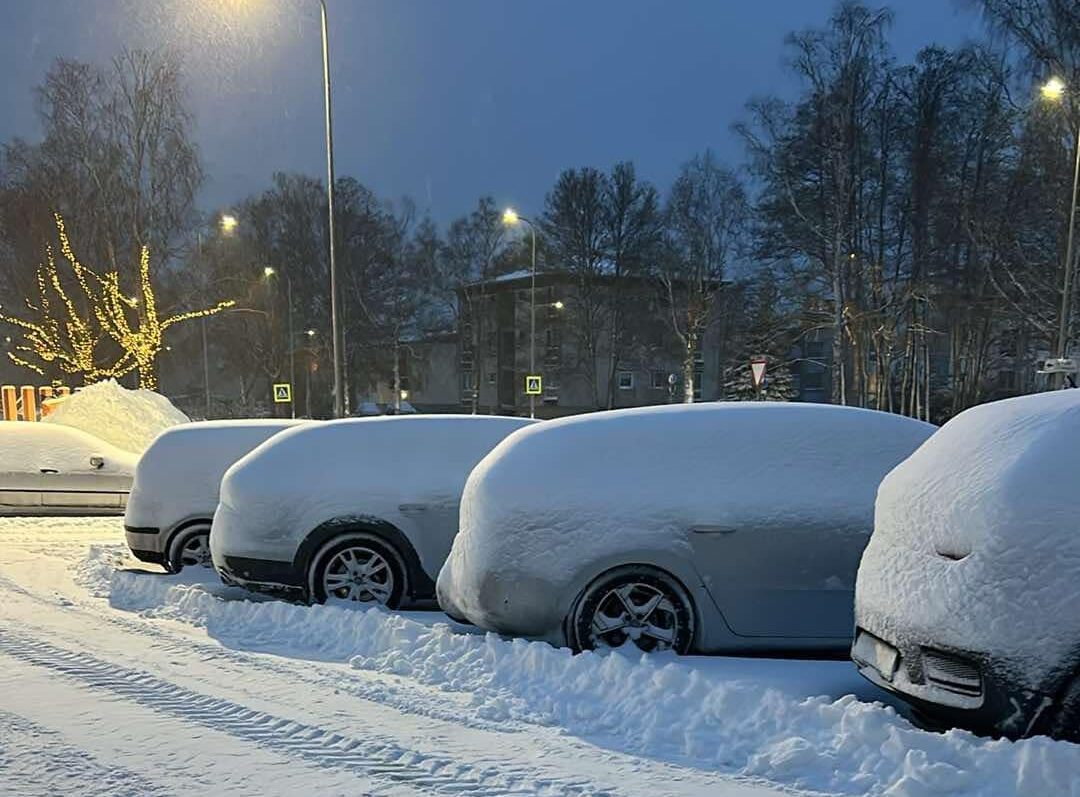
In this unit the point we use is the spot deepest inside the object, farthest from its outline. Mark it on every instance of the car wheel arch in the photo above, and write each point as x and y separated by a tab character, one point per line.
418	584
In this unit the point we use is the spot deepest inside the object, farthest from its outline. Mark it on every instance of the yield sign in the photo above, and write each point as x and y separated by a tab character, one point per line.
282	393
757	371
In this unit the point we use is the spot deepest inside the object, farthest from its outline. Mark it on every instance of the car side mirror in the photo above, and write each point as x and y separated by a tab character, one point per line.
97	463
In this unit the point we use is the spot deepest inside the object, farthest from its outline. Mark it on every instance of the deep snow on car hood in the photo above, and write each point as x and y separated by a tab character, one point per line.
976	542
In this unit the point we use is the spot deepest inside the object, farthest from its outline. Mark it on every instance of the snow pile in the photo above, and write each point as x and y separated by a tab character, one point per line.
639	479
179	475
129	419
658	706
976	542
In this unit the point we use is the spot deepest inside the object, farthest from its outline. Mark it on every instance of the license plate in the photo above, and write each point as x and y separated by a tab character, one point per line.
876	653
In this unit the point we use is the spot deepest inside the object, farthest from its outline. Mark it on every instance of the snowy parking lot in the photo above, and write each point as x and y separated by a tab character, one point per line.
116	680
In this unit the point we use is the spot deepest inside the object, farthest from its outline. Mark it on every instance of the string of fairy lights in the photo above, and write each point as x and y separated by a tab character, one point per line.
63	334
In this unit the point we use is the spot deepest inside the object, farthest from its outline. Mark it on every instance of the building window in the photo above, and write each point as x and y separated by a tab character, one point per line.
467	380
626	380
659	380
491	377
1006	380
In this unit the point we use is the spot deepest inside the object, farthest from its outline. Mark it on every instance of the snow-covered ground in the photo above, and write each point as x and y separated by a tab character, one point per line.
118	681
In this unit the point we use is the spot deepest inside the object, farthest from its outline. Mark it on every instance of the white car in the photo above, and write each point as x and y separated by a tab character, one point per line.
176	488
48	468
361	509
968	598
714	527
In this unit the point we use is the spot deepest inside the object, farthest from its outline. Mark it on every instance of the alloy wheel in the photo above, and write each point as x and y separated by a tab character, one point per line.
358	574
634	612
196	551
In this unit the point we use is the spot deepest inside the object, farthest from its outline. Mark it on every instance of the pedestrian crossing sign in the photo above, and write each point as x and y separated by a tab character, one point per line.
533	385
282	393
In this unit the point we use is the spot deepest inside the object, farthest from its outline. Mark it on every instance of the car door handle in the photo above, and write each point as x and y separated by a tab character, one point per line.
706	529
49	470
412	507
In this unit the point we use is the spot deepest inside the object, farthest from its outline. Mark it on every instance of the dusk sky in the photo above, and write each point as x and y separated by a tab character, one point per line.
446	101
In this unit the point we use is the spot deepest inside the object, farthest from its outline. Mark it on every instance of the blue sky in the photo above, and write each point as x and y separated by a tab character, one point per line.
445	100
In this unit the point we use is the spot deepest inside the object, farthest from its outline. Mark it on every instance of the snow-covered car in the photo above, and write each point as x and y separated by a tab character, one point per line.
47	468
357	509
967	602
175	493
712	527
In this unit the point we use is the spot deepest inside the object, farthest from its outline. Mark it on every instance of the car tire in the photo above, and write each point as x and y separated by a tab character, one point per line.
636	604
367	568
189	547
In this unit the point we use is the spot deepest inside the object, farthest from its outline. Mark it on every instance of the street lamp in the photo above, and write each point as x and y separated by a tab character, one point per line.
511	218
269	272
337	345
228	224
1055	90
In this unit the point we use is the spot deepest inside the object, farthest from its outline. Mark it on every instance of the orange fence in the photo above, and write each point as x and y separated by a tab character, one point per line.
23	403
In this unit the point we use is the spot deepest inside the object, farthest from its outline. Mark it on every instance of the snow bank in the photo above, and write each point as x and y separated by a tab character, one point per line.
129	419
977	536
658	706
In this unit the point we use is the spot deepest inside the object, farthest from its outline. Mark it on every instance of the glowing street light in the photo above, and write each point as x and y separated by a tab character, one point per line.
1055	90
269	271
228	224
559	305
309	332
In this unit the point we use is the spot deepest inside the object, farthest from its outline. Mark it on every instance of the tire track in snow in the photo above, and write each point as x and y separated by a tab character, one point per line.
373	756
35	760
401	697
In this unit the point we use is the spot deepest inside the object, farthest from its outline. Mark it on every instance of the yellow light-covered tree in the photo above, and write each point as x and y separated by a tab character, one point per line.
85	325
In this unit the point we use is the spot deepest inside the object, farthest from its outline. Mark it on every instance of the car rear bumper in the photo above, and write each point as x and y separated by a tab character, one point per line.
262	575
949	688
147	543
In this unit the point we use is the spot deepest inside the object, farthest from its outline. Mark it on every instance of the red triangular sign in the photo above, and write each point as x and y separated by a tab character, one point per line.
757	371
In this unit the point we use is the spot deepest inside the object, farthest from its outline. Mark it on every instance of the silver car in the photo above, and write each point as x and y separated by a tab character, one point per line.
712	527
358	510
175	493
51	469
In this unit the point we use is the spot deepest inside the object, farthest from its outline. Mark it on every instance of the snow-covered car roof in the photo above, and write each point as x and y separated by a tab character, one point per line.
977	534
779	458
322	468
31	446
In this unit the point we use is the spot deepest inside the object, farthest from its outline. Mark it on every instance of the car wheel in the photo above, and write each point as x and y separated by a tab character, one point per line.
634	605
190	548
359	570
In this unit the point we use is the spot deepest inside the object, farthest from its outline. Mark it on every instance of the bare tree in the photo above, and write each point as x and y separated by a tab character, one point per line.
707	217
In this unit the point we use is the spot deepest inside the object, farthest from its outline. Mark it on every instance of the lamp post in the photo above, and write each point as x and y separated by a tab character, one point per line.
511	218
1055	90
269	272
337	343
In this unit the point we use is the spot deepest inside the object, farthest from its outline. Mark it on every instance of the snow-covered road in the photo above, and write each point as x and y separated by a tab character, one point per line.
114	681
